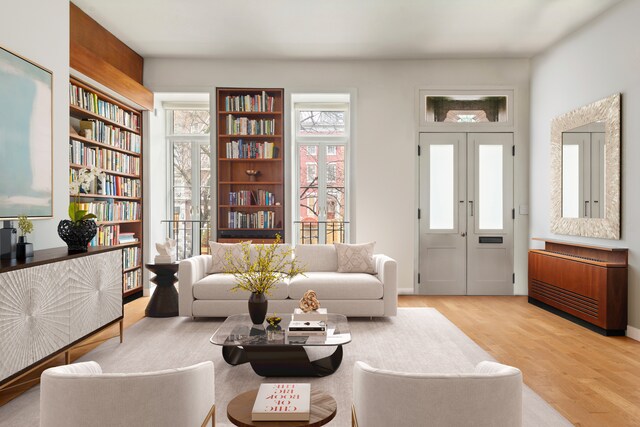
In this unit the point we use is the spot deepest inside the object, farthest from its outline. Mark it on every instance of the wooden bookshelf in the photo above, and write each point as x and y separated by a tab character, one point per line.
114	145
250	125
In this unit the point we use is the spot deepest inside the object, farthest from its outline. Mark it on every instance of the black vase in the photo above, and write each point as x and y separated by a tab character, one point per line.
77	235
258	305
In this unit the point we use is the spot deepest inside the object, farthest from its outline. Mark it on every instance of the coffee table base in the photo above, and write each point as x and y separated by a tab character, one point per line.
282	361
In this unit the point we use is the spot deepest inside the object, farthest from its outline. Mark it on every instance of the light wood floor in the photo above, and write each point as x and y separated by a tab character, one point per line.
592	380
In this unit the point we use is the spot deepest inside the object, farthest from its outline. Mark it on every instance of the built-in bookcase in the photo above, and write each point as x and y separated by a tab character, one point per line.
250	160
107	134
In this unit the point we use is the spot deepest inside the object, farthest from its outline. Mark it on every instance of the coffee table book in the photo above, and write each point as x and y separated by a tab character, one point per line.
319	314
282	402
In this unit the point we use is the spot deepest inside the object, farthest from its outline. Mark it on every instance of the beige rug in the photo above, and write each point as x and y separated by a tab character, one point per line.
417	340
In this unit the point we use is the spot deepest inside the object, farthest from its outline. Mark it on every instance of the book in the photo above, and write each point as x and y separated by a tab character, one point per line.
319	314
307	325
282	402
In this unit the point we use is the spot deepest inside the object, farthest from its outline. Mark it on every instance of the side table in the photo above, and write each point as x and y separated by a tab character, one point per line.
323	409
164	301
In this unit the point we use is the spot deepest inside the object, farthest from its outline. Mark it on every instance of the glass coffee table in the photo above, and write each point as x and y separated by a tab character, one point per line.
272	353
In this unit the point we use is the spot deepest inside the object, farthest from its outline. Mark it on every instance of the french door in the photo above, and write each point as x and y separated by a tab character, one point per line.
466	214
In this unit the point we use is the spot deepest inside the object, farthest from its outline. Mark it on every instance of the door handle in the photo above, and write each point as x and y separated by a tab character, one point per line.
586	208
463	234
471	205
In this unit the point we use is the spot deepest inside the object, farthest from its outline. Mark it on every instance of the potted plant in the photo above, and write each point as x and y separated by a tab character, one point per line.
259	270
78	231
24	250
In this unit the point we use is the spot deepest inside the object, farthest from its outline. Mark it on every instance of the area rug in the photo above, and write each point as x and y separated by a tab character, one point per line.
416	340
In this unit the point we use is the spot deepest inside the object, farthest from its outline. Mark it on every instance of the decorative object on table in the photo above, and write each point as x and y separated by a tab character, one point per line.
24	250
80	229
259	270
164	301
8	240
253	174
274	321
296	395
26	179
166	252
309	301
319	314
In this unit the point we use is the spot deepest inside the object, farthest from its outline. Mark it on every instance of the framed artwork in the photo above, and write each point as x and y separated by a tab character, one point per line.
26	138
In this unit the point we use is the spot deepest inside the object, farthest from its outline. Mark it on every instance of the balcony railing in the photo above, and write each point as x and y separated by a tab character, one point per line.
311	232
192	236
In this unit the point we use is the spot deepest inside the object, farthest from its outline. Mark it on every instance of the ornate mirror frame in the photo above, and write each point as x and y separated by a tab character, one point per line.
608	111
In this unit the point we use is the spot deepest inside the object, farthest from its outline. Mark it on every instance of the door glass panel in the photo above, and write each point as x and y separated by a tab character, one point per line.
490	187
441	181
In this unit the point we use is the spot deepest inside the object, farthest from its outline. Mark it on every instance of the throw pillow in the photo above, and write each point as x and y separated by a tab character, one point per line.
356	258
219	255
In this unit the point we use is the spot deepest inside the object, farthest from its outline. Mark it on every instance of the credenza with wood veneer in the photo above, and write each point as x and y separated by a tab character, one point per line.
587	283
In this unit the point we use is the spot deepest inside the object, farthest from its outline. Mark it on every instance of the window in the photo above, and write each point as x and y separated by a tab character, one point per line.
321	133
312	173
466	108
190	168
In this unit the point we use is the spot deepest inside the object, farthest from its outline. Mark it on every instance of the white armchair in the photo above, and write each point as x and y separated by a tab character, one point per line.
81	395
490	396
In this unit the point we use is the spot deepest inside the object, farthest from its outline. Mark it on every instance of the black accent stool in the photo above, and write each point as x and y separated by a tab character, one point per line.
282	361
164	301
577	320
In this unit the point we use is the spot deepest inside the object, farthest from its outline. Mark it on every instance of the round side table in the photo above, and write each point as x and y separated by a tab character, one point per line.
323	410
164	301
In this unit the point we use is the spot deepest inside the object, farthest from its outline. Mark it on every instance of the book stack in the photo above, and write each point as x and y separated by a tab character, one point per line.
307	328
124	238
282	402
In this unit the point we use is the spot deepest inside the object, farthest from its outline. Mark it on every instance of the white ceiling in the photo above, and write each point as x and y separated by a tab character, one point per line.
342	29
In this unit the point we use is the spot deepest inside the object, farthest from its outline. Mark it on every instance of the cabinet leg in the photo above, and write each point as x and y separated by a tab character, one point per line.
121	324
67	357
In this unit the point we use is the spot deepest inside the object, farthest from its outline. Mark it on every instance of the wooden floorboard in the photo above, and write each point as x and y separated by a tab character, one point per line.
591	379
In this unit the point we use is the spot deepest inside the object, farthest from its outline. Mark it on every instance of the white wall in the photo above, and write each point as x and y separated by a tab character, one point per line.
385	127
599	60
39	31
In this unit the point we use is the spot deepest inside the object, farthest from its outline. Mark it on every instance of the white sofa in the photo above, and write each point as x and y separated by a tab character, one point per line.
351	294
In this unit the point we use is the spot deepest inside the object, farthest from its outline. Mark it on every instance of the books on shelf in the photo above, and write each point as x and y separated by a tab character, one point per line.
250	103
90	101
113	211
246	126
250	198
260	219
118	186
132	279
315	315
111	135
130	257
241	149
107	235
282	402
124	238
109	160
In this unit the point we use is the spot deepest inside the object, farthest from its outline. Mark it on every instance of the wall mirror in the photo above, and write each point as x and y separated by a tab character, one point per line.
585	162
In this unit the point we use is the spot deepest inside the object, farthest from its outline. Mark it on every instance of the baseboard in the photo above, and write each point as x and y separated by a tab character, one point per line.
633	333
406	291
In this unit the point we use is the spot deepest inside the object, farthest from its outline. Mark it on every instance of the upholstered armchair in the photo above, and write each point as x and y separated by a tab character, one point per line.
490	396
81	395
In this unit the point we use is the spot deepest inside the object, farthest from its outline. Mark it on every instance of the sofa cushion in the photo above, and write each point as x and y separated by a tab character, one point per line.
218	287
356	258
336	286
219	255
317	257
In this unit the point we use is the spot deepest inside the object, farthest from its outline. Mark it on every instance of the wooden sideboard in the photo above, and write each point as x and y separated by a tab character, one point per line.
51	302
587	283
